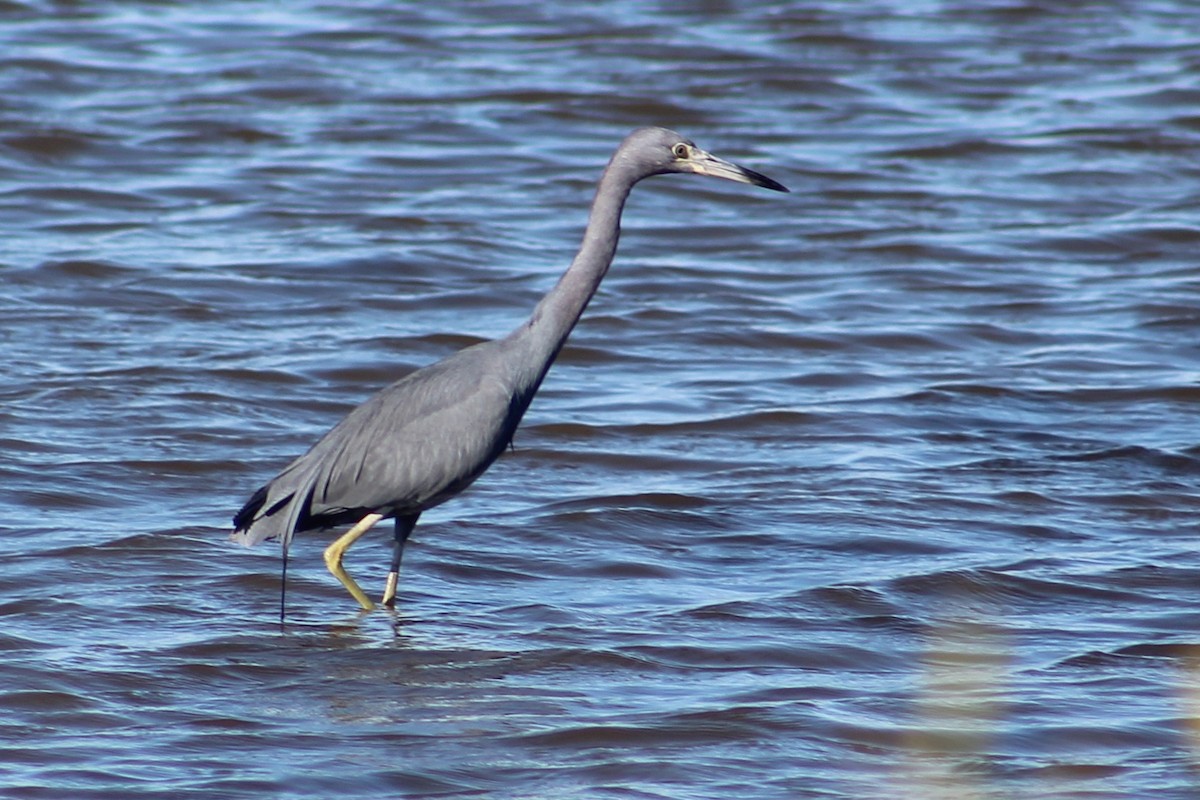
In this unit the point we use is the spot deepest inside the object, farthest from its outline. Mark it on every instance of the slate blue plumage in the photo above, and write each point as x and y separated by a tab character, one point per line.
429	435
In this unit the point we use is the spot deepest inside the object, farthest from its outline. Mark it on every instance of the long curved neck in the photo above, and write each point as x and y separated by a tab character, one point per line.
555	316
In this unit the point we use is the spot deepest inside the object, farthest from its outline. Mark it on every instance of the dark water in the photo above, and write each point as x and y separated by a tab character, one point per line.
884	488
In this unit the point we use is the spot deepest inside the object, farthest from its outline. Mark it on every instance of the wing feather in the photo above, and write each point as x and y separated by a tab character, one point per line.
412	445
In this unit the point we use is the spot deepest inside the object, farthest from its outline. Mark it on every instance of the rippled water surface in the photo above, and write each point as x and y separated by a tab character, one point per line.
886	487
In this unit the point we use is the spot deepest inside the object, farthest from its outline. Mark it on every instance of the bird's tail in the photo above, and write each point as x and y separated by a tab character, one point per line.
269	514
244	519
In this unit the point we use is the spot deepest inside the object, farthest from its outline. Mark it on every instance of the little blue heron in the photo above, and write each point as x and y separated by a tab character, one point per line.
429	435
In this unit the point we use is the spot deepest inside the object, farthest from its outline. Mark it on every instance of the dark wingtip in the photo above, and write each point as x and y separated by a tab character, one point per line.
243	519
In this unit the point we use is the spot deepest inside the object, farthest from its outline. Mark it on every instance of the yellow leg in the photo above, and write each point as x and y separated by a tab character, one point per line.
389	589
335	551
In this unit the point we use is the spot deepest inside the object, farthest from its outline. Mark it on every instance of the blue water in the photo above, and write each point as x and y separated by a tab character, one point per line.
886	487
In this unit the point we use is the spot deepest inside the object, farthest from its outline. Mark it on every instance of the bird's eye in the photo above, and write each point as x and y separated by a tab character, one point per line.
680	150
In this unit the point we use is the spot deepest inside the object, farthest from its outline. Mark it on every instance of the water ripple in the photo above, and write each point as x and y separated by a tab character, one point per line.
884	487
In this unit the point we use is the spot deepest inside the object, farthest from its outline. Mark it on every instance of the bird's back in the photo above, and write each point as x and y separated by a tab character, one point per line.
412	445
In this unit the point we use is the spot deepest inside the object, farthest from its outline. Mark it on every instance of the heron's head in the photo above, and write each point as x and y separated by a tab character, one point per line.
659	151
